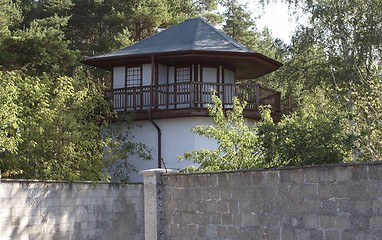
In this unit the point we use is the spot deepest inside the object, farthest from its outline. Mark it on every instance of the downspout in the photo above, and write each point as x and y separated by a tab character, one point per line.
150	117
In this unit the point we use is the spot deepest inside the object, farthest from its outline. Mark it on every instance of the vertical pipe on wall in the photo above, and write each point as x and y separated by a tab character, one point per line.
150	109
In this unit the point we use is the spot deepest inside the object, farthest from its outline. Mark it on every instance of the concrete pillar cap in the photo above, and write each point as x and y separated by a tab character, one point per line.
159	171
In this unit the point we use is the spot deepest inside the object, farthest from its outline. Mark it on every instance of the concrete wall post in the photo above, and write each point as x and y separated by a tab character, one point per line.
151	205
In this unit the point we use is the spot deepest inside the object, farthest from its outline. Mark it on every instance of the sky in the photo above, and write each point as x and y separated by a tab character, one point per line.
276	17
278	20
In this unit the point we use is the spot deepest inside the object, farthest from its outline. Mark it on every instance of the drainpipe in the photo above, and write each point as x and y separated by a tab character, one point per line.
150	117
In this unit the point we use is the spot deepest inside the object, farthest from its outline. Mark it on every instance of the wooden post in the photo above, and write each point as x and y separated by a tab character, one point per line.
257	96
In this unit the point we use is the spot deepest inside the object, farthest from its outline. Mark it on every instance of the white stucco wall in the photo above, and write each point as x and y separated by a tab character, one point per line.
177	139
209	75
146	74
229	76
162	74
119	77
171	75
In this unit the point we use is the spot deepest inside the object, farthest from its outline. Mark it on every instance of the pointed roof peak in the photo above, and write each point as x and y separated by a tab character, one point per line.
194	34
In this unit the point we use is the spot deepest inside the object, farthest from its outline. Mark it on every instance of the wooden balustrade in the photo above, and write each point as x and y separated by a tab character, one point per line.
193	95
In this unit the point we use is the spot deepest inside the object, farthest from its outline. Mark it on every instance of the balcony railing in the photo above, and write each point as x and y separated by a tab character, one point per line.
193	95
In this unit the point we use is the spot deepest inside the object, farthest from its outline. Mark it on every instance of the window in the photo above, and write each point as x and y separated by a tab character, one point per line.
183	74
182	86
133	76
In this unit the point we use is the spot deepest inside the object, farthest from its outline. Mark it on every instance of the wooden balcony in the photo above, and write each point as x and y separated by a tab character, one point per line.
191	99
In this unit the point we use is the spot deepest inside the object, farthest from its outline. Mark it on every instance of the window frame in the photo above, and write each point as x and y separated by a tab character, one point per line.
189	74
137	78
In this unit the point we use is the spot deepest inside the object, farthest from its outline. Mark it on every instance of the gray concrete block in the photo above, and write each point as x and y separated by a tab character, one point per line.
272	177
257	178
201	231
363	207
211	206
311	221
186	218
316	235
212	180
365	236
233	206
227	219
232	232
310	191
359	173
359	190
302	234
341	190
200	219
328	207
211	231
374	190
311	175
325	190
222	232
342	174
343	222
375	172
297	176
287	234
250	219
215	218
376	223
285	176
360	223
348	235
326	175
377	207
346	205
191	230
327	221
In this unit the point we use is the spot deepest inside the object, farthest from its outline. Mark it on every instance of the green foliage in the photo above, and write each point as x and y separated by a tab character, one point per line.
97	27
238	143
57	141
39	49
367	115
36	42
10	121
10	15
305	138
316	134
337	52
55	128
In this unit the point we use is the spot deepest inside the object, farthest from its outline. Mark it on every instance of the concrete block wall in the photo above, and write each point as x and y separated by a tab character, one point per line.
62	210
335	202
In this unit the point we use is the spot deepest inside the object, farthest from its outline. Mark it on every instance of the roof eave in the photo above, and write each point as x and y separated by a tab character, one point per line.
108	62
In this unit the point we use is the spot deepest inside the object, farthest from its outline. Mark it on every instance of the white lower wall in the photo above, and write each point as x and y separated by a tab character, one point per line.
177	139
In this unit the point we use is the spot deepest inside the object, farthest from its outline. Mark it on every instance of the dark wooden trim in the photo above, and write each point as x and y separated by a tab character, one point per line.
232	69
223	82
210	65
112	78
195	112
223	75
168	74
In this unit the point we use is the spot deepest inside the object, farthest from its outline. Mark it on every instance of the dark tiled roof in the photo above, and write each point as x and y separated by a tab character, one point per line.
191	35
192	40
